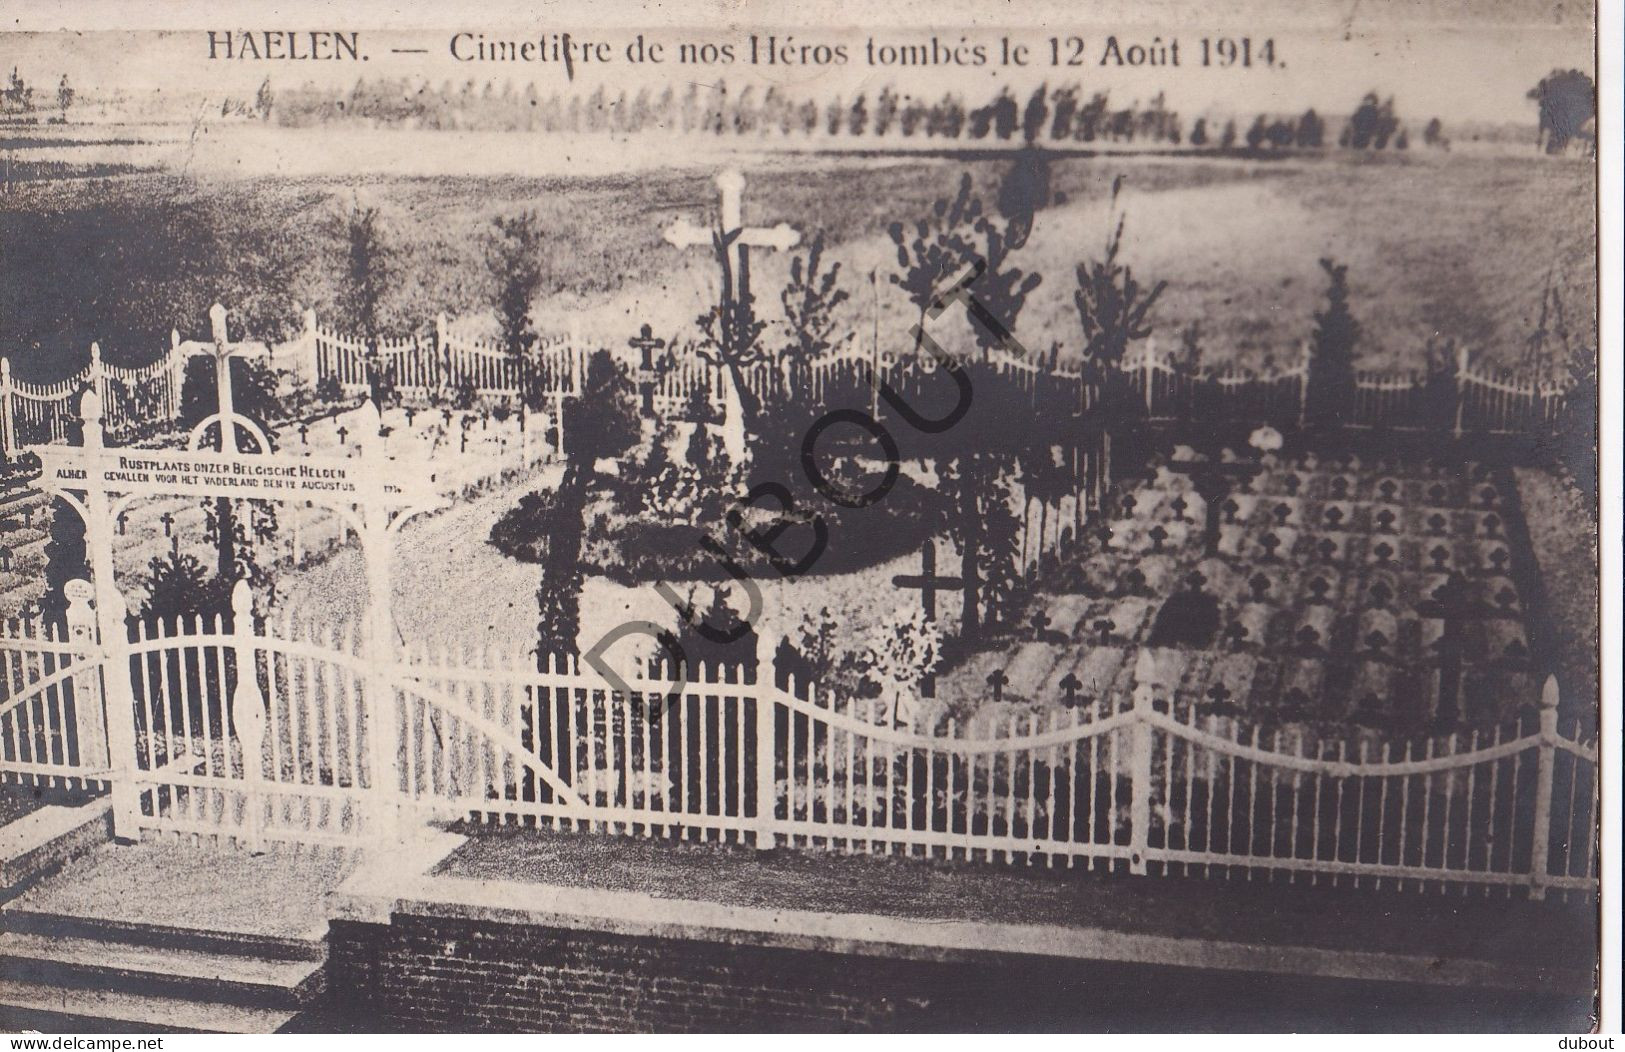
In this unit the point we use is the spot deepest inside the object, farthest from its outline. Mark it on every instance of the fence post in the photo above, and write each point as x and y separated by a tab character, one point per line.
1461	388
98	382
175	372
1540	849
767	783
1303	384
1150	372
89	720
8	422
313	356
248	715
1145	688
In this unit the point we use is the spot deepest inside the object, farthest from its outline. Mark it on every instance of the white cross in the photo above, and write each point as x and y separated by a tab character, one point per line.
782	238
222	351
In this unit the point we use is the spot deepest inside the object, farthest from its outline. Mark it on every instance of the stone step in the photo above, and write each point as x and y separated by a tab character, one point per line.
131	968
46	1006
19	917
41	842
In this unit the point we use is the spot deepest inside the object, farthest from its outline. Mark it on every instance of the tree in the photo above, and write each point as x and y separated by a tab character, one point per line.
1065	108
1280	134
730	332
64	96
1568	102
603	422
558	596
65	559
179	586
513	266
934	252
264	99
369	266
885	110
810	300
1199	132
1433	135
1257	133
1004	114
1036	113
1228	139
1365	124
1331	353
1311	130
858	118
1113	307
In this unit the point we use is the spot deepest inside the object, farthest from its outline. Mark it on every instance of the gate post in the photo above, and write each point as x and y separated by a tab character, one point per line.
378	648
113	632
89	720
248	715
1145	688
767	786
1545	770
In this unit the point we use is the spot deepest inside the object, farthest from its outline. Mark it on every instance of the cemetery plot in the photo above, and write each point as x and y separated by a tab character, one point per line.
1318	590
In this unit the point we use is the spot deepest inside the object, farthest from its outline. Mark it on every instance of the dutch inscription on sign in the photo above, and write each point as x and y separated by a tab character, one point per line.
244	476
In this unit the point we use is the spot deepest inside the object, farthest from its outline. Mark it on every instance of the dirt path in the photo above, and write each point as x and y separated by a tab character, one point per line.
449	586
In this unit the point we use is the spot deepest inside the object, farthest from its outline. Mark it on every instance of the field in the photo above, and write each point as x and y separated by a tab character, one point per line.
1454	245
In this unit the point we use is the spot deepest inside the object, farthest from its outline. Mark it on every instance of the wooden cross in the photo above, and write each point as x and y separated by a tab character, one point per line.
740	238
929	584
1454	604
1212	480
646	343
222	350
927	580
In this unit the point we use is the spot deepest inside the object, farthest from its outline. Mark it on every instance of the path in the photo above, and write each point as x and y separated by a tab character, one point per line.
450	586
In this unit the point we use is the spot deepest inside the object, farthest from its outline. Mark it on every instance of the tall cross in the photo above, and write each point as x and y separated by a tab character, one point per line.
738	239
731	185
222	350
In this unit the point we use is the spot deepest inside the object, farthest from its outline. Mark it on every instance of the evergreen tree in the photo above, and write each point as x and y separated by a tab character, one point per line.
1036	113
514	269
1331	357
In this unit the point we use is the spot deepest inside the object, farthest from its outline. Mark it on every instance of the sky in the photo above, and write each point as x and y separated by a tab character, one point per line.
1463	60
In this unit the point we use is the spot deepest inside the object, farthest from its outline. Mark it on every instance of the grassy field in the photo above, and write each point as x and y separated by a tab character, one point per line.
1440	244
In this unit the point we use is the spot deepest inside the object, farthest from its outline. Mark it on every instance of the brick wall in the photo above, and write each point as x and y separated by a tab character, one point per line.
433	973
437	974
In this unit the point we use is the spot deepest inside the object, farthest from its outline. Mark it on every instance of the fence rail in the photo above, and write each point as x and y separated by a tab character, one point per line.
1140	783
1470	399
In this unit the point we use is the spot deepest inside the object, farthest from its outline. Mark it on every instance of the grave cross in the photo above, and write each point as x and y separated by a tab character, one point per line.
927	580
1453	603
646	343
731	186
738	240
1213	479
929	584
222	350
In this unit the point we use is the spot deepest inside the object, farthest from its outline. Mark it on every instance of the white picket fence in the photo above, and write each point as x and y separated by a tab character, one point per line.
33	413
448	362
348	740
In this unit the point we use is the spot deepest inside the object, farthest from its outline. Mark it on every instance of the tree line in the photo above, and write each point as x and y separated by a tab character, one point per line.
1065	114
